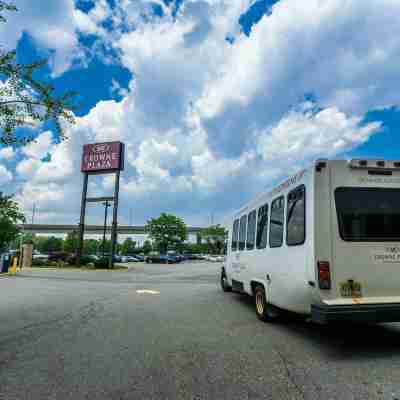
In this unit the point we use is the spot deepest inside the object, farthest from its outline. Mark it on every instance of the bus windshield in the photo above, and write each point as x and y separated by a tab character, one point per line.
368	214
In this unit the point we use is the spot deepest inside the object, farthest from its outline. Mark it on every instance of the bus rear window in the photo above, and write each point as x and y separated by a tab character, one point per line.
368	214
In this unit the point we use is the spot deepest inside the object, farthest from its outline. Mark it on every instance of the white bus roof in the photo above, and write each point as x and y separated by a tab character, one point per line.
376	164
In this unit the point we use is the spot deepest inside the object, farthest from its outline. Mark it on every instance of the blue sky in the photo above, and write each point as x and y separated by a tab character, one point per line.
216	100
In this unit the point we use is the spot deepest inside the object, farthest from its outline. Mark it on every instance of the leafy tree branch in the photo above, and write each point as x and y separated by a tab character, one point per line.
26	101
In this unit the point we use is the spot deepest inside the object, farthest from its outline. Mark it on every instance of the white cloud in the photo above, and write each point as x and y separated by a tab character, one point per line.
40	147
203	118
305	134
28	167
7	153
344	52
90	23
5	175
52	26
84	23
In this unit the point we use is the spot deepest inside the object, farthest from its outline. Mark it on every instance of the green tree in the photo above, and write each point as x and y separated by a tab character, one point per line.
167	231
10	217
71	242
91	246
28	238
25	100
215	237
128	246
193	248
48	244
147	247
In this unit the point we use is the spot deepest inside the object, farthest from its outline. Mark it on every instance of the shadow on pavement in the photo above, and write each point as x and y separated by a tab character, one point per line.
339	342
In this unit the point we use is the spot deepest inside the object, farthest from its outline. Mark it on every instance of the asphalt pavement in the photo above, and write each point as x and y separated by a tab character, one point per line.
169	332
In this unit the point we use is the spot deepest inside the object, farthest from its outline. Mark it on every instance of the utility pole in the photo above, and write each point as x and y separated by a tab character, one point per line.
106	204
33	213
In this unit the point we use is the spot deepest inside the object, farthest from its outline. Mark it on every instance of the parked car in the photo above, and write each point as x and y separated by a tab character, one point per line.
161	259
192	257
216	258
139	257
175	256
127	259
39	256
117	258
58	256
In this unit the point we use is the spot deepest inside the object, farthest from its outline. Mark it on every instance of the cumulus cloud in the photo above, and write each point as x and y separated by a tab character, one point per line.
51	25
91	22
342	52
208	124
5	175
7	153
305	134
40	147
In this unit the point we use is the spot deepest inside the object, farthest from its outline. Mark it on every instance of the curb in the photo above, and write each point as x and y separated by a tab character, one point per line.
6	274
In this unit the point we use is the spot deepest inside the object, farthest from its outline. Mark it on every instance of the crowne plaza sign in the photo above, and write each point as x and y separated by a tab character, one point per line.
103	157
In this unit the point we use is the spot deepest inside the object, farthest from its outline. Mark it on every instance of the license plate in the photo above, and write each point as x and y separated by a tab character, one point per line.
350	289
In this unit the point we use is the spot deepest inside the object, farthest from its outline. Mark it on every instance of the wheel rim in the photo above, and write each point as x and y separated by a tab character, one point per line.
260	303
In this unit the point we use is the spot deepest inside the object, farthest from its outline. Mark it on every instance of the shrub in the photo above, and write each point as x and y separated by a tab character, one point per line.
84	260
102	263
39	263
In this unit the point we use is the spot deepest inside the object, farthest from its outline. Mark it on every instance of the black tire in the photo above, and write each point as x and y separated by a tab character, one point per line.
265	312
224	283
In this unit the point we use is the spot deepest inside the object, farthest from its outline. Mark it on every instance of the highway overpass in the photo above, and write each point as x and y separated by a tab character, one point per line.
91	229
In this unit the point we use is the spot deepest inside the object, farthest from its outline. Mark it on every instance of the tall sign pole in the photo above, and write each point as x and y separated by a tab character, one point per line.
82	220
115	220
106	205
101	158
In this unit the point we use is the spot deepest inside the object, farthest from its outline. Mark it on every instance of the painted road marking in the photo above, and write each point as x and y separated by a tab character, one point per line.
145	291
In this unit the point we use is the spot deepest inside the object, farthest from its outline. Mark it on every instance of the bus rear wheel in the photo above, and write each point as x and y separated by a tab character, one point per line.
265	312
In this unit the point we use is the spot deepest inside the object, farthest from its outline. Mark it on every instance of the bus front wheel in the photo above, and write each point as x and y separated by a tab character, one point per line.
224	282
265	312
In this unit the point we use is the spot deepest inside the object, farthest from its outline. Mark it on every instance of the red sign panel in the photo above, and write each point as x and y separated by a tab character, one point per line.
103	157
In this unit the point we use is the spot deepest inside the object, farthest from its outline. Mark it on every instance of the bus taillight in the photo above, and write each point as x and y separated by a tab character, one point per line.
324	275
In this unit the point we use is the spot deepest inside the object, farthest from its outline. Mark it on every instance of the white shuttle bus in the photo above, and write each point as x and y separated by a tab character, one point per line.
325	243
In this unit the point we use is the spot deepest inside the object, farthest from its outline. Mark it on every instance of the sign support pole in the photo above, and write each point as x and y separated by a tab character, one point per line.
82	220
115	220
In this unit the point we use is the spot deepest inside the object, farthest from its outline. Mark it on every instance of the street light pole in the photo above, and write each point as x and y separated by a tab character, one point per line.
33	213
106	205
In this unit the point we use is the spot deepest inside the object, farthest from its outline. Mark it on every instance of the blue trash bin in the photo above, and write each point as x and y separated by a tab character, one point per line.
5	259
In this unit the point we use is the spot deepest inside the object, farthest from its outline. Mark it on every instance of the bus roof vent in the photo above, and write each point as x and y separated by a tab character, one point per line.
374	164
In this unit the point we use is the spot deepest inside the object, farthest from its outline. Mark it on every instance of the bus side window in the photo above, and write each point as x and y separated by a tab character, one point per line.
262	227
251	230
296	217
242	232
235	233
276	222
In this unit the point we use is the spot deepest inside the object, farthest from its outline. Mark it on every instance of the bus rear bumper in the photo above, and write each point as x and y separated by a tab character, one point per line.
361	313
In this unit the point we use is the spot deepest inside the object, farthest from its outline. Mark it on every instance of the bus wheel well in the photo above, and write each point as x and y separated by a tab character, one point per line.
254	284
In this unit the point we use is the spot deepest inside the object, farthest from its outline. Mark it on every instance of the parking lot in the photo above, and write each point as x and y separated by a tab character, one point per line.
169	332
